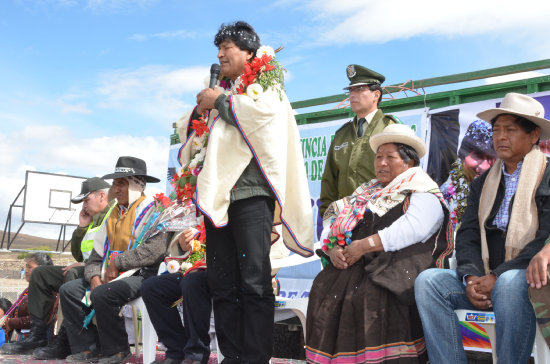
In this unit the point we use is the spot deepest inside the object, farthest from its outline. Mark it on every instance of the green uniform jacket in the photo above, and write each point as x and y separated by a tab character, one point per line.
350	160
80	232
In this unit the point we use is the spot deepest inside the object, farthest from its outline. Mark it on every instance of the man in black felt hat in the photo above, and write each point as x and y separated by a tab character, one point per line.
350	160
117	266
45	280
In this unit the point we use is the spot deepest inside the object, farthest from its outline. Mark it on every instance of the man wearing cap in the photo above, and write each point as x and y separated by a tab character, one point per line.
505	224
118	264
350	160
45	280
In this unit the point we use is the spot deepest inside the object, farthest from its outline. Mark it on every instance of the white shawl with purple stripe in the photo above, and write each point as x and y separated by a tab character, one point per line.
267	131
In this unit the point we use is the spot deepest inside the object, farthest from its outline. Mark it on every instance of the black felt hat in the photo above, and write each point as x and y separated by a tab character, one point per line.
131	166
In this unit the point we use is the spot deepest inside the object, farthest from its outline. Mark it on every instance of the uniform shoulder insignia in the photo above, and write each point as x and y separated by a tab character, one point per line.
343	126
394	118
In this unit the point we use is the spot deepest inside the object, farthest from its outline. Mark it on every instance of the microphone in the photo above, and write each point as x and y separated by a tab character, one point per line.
214	73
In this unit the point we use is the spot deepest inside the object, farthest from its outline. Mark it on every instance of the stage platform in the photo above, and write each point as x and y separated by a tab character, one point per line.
20	359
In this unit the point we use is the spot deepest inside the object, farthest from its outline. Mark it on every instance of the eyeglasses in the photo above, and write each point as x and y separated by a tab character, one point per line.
357	89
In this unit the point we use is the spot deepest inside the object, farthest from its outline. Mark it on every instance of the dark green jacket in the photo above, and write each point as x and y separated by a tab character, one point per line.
79	232
350	160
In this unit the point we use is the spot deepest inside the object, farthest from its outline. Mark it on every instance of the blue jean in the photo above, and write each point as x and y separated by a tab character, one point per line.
439	292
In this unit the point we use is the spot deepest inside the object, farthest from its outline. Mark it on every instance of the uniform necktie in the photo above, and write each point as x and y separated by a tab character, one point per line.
360	123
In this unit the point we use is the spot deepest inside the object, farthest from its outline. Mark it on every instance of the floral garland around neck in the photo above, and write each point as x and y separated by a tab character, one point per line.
261	73
177	211
455	191
185	182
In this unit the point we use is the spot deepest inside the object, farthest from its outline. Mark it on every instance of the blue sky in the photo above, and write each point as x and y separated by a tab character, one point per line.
84	81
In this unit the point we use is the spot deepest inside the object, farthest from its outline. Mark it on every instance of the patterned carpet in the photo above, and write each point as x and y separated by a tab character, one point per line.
18	359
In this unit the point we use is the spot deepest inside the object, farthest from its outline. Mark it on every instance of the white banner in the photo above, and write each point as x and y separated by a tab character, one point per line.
316	138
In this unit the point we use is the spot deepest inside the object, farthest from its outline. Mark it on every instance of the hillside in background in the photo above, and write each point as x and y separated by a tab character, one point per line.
24	241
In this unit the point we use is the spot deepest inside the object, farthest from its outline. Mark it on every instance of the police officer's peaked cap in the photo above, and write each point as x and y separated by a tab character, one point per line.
359	75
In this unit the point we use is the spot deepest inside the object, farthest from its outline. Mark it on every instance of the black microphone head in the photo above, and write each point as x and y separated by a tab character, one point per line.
215	69
214	73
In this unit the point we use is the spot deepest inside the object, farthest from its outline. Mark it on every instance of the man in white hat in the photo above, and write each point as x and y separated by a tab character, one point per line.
350	160
505	224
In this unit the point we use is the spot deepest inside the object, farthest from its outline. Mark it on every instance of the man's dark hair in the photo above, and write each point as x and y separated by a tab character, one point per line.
525	124
5	304
408	153
241	33
376	87
41	258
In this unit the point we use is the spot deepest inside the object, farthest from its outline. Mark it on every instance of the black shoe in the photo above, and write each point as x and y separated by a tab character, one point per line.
117	358
168	361
86	356
36	339
190	361
58	349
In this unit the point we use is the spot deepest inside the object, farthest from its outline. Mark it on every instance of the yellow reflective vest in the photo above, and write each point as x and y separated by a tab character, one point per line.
87	243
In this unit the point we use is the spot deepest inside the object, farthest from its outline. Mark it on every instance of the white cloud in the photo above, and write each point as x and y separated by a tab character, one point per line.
67	2
80	108
71	102
157	92
176	34
117	5
138	37
347	21
49	148
97	6
514	77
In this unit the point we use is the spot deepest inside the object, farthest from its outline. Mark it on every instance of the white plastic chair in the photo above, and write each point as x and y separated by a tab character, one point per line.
486	319
298	306
147	333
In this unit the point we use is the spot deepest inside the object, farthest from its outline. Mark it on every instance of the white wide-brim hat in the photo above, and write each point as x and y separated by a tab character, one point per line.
398	133
521	105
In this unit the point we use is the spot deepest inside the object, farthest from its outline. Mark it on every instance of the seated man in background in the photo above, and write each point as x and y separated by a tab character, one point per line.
117	266
189	340
18	317
45	280
505	224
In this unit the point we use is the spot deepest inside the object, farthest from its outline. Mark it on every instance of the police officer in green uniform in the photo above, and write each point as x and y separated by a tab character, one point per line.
350	159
